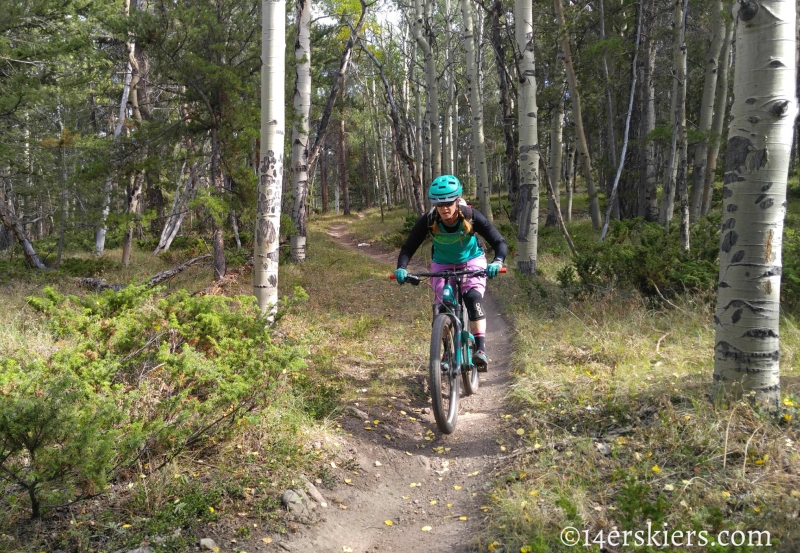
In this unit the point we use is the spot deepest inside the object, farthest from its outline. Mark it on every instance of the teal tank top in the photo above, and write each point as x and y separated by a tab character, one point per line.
455	247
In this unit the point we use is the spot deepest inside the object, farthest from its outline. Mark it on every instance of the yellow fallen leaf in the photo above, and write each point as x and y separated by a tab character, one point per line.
476	473
493	545
433	502
447	449
403	413
376	421
502	448
388	522
527	548
346	549
348	481
414	484
520	431
407	453
406	496
456	487
211	509
484	508
426	528
387	436
343	507
533	492
726	494
126	525
656	469
669	487
449	504
266	540
462	518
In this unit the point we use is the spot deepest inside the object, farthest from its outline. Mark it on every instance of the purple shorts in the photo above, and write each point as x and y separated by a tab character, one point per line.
477	283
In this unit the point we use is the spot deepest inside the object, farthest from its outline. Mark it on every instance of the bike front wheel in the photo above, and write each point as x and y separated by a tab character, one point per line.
443	380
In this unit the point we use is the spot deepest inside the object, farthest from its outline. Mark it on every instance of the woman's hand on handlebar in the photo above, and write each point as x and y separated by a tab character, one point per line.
400	275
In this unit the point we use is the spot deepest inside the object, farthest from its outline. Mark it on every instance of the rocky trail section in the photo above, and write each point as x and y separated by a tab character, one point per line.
401	486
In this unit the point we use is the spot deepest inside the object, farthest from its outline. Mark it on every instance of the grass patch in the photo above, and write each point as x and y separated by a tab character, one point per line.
612	392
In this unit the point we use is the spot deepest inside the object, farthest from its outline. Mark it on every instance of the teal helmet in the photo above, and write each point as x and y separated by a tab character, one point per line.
444	189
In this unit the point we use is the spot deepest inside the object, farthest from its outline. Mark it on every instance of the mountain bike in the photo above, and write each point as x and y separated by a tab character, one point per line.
451	347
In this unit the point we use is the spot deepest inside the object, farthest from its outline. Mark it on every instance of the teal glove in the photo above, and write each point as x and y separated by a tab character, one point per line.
400	275
493	268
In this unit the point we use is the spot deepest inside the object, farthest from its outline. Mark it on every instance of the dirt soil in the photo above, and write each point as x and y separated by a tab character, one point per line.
430	486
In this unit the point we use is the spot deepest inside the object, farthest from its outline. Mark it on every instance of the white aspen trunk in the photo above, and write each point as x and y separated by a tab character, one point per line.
747	348
479	148
570	163
100	232
300	130
447	120
432	138
610	102
720	107
137	178
706	111
183	196
527	237
677	113
580	134
270	183
621	164
420	142
554	203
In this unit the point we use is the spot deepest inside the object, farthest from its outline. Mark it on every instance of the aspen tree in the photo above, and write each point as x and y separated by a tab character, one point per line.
479	148
747	349
527	236
580	134
270	171
707	109
302	109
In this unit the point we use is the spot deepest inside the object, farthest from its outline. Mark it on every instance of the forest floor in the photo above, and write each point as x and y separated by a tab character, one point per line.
420	490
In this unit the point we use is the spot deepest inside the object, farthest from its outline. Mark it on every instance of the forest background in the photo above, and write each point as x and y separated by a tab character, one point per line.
130	144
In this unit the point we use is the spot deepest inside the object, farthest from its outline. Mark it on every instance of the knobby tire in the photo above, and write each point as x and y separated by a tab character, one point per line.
445	389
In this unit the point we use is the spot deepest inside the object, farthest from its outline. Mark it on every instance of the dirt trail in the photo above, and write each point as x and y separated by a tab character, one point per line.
380	486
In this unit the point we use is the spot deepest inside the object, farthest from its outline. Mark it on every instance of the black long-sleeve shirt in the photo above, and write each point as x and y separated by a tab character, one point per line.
480	225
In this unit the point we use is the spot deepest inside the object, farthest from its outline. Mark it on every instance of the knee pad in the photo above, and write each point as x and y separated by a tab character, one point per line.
474	302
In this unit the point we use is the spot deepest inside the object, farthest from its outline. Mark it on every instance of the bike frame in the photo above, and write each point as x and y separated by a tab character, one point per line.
452	305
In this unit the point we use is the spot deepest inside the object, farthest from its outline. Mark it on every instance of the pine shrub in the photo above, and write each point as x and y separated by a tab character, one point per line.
135	373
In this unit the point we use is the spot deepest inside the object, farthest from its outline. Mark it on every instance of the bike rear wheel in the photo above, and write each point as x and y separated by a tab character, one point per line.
444	384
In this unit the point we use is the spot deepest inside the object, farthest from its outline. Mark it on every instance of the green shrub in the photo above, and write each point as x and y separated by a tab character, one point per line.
178	369
57	435
644	256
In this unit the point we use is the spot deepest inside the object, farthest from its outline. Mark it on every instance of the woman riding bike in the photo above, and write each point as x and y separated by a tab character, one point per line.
452	225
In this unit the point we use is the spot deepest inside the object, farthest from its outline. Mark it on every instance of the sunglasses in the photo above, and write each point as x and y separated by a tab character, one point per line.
446	204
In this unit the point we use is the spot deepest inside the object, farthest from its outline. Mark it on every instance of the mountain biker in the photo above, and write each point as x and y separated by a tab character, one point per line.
452	225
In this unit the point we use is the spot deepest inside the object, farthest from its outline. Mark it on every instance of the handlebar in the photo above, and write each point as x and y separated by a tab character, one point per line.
415	278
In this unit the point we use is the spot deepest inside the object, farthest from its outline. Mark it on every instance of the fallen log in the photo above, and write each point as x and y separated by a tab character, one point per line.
99	284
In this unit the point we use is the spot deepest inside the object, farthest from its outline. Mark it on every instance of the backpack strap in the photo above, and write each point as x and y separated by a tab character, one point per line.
466	211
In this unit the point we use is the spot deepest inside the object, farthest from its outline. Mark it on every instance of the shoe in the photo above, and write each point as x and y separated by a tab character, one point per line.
480	360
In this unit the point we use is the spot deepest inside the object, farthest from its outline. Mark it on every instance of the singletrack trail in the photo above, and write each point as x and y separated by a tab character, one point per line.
446	487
